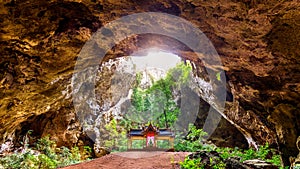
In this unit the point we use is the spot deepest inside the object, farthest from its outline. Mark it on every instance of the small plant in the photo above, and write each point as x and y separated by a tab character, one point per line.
44	155
172	161
47	147
263	153
115	139
194	141
87	153
218	76
216	163
192	164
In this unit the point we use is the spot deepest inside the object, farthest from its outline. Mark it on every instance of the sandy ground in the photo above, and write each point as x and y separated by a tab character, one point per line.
135	160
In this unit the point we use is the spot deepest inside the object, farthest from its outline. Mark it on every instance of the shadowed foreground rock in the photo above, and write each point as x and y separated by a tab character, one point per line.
232	163
213	159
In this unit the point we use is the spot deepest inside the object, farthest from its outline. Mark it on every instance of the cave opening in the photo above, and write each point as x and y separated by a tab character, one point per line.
153	66
105	79
117	75
38	61
152	55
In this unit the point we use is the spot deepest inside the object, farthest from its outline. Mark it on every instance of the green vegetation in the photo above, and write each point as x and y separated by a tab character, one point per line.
213	163
115	138
45	155
218	76
195	142
156	102
163	144
192	163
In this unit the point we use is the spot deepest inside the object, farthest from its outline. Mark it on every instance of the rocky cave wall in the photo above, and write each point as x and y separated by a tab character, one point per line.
258	43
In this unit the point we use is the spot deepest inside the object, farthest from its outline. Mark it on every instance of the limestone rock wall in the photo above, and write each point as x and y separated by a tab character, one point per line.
257	41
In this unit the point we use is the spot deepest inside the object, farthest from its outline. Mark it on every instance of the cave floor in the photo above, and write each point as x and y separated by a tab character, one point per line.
135	160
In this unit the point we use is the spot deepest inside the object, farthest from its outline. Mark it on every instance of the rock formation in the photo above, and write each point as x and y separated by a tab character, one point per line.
258	43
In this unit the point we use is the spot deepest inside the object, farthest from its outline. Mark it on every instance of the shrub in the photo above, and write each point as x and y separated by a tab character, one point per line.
192	163
194	141
45	155
263	153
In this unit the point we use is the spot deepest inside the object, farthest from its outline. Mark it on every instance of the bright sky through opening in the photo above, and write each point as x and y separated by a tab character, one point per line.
155	59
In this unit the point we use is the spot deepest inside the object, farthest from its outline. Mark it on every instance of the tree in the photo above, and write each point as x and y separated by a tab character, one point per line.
157	102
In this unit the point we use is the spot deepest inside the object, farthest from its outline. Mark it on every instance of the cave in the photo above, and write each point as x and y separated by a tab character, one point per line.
248	50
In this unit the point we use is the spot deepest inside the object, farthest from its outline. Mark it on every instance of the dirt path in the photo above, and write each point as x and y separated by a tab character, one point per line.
135	160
